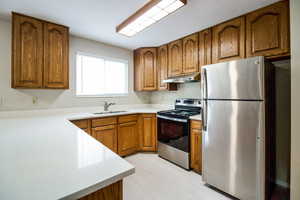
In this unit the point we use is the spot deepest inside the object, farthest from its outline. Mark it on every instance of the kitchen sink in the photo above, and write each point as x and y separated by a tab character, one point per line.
109	112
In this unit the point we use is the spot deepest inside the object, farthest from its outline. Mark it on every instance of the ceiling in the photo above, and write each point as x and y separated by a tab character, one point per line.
97	19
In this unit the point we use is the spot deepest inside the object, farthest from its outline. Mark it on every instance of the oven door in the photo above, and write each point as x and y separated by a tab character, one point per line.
173	132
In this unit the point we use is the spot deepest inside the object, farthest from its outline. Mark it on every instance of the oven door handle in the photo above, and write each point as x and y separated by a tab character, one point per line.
172	119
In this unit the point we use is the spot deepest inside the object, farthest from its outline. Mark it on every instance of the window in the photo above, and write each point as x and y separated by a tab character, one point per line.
96	76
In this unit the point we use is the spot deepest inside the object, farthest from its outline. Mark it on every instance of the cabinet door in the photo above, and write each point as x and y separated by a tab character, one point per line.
229	40
196	150
190	54
162	69
107	135
148	137
127	138
149	69
56	56
205	46
27	52
268	31
175	58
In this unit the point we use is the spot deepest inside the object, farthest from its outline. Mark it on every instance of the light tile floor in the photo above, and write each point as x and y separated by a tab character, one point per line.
158	179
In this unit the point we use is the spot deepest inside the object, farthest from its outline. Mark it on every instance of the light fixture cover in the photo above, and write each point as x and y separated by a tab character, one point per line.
150	13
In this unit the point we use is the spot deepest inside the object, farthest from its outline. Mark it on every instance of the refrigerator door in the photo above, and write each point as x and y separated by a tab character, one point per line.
233	148
240	79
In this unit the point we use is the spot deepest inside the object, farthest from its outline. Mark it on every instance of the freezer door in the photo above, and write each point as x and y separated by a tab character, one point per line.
233	148
240	79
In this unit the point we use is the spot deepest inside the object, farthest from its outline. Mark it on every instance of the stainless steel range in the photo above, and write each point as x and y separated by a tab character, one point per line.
174	132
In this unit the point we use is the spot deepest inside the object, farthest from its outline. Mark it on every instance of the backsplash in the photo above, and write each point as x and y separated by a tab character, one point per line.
185	90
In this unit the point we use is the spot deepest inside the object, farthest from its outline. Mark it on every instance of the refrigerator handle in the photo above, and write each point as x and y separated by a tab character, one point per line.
204	98
204	114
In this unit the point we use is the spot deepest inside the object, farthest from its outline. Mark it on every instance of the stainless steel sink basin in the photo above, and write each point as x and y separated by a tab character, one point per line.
108	112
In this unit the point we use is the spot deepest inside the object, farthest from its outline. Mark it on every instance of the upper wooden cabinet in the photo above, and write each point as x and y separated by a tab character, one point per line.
162	69
268	31
147	132
27	52
205	47
229	40
56	56
145	60
175	54
39	54
190	54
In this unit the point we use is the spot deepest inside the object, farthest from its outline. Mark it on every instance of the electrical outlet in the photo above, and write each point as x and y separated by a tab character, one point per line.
34	100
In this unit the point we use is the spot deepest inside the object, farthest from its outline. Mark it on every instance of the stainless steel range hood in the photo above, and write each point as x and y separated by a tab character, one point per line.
184	79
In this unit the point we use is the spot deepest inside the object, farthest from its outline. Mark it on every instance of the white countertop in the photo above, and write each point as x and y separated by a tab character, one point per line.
47	157
44	156
196	117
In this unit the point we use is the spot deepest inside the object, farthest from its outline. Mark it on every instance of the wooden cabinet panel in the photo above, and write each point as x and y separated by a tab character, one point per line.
190	54
162	69
196	146
111	192
104	121
127	138
27	52
127	118
56	60
147	132
205	47
145	73
268	31
83	124
107	135
175	58
229	40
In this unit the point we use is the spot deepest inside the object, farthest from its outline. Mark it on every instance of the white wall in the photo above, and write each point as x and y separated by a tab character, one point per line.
186	90
13	99
295	93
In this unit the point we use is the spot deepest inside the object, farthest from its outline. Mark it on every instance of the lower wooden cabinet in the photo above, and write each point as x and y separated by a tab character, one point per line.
84	124
147	132
127	138
107	135
196	146
111	192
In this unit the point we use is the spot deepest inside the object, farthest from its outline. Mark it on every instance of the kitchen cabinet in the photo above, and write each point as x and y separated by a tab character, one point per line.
110	192
147	132
175	54
267	31
83	124
56	56
162	69
229	40
196	146
190	54
145	71
107	135
39	54
27	52
127	138
205	47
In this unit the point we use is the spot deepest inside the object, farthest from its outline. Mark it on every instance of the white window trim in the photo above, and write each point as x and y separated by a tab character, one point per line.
105	58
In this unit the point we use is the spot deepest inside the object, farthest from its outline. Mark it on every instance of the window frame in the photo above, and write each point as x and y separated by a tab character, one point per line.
126	62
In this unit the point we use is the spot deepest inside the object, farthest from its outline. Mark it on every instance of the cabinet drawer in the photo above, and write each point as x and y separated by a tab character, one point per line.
195	124
104	121
83	124
127	118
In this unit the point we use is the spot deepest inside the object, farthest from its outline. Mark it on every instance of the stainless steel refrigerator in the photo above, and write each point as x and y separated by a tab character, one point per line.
237	126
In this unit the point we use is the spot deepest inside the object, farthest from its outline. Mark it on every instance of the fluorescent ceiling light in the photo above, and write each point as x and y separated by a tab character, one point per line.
150	13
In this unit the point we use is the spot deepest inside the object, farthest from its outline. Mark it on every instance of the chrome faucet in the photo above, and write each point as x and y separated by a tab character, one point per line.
106	105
